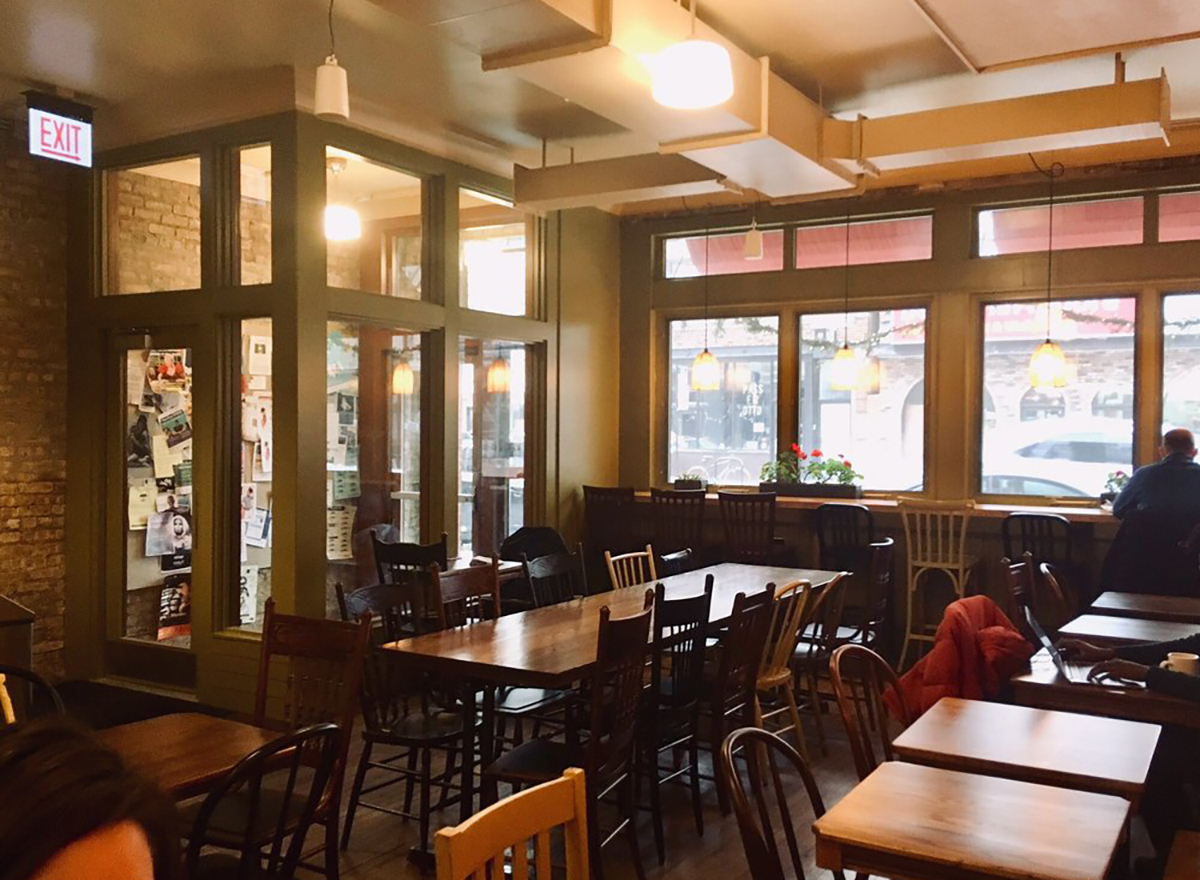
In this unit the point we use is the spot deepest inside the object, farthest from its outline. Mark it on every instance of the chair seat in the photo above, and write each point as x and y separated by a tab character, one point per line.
843	633
526	700
419	728
776	679
538	760
227	825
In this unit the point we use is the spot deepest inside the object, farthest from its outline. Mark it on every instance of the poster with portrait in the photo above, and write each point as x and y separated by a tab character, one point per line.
176	426
168	532
175	607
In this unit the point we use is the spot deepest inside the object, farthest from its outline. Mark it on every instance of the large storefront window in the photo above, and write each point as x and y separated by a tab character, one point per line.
257	445
152	227
492	408
724	436
878	425
373	447
1058	441
493	273
1181	362
372	226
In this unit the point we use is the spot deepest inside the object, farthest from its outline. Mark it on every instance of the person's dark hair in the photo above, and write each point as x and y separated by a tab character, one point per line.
59	785
1179	440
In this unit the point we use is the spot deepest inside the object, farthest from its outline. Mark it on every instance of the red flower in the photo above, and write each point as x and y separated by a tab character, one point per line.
796	448
803	455
816	453
846	462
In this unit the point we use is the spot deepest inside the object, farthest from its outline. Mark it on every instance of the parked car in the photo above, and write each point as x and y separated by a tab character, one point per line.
1071	456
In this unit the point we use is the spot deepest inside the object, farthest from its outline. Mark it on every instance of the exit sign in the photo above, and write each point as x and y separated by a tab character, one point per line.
60	129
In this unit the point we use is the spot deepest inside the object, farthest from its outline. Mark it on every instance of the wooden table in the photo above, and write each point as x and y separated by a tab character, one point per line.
554	647
1178	609
1104	629
906	821
1044	688
186	753
1082	752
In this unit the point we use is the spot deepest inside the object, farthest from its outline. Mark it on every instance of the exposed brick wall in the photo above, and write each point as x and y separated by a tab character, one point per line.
33	388
154	233
254	220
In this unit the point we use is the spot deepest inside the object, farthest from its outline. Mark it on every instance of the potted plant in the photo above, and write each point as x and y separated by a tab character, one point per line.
1113	485
799	473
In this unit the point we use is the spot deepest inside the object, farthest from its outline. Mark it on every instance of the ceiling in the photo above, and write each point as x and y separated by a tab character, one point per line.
157	66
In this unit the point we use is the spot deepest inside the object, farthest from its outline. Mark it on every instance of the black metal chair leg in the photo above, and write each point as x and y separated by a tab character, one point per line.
426	779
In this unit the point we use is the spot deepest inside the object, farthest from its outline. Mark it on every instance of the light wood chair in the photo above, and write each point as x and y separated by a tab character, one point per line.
502	834
789	613
936	535
631	569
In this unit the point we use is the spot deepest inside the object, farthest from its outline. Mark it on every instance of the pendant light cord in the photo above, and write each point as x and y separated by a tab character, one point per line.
706	238
332	48
846	290
1055	170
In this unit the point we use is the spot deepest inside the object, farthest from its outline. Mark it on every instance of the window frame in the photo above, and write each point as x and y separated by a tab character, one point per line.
1149	205
863	220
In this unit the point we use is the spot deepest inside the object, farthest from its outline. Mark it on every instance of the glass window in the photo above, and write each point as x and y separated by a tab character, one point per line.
257	470
372	226
1181	362
684	257
879	426
724	436
897	240
158	482
254	213
373	447
492	407
1179	216
152	227
1076	225
1058	441
492	265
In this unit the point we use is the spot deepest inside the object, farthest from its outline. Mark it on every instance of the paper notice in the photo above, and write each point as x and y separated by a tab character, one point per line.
142	498
339	529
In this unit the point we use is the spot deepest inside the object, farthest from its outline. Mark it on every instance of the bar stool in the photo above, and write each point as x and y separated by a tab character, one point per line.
936	535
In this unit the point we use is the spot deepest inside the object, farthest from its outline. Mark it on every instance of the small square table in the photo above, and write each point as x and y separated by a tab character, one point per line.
1180	609
1108	630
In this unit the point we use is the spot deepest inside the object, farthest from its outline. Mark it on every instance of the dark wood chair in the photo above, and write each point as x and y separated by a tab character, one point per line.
555	578
676	563
26	695
844	531
609	516
678	518
868	620
263	809
1061	592
1019	579
609	712
1046	536
749	522
819	638
769	817
397	560
670	720
860	679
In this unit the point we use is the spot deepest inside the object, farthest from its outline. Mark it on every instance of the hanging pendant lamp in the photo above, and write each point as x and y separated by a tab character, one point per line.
847	364
342	222
331	94
498	376
706	369
752	247
1048	367
403	378
693	74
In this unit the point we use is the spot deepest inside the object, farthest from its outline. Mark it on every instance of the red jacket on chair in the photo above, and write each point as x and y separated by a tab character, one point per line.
975	652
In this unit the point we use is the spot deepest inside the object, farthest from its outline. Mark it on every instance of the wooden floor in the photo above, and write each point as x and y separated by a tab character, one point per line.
380	842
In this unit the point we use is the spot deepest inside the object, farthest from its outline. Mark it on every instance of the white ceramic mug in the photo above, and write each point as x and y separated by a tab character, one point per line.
1178	661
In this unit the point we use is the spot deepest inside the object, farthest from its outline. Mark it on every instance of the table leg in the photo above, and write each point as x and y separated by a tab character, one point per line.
467	803
487	742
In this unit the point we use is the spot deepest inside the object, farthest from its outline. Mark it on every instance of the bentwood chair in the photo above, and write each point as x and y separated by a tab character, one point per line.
749	522
396	560
764	821
24	695
678	517
820	634
263	809
631	569
502	835
774	679
860	679
613	692
936	535
1061	592
556	578
1019	578
670	720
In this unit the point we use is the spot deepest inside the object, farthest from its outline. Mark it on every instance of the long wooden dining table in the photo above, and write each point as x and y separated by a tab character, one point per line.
555	646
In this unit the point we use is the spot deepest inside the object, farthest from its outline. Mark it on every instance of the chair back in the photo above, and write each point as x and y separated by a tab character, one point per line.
936	532
749	522
1046	536
502	835
678	648
631	569
615	687
401	610
860	679
469	594
556	578
24	695
878	595
396	560
671	564
762	819
820	629
788	613
741	654
609	515
678	516
843	533
271	824
1018	577
1061	592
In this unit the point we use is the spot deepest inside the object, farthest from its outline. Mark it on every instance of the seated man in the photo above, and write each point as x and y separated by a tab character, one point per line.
1170	486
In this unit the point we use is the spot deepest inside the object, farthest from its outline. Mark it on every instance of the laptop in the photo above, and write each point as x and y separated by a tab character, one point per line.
1076	674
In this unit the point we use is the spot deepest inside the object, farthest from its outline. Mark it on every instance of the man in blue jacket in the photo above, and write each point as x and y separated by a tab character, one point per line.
1170	485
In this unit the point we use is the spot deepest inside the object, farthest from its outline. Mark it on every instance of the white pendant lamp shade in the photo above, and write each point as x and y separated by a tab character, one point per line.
498	381
331	97
845	369
692	75
706	372
752	249
403	379
342	223
1048	367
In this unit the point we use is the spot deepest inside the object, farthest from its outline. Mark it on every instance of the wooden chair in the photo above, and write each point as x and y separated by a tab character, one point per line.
678	517
1062	592
671	564
24	695
1045	536
759	831
501	836
1018	578
322	675
613	688
396	560
936	535
820	634
263	808
860	678
609	515
670	721
555	578
868	622
844	531
631	569
749	522
788	613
